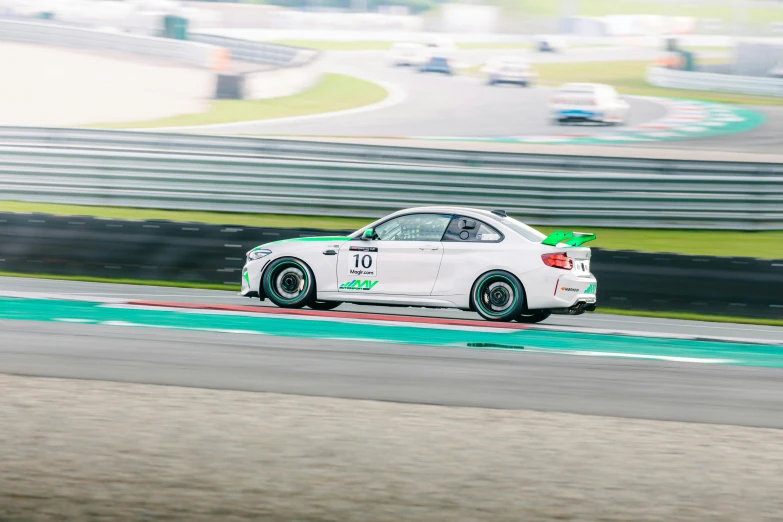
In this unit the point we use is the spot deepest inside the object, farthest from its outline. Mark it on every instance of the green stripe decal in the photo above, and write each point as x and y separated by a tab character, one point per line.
307	239
532	339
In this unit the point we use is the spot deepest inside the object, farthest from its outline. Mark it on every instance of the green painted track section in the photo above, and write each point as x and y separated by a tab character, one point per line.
601	345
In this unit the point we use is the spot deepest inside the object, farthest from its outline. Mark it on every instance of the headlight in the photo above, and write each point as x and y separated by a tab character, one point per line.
257	254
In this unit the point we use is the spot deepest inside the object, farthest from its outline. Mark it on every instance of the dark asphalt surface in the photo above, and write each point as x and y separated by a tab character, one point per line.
447	376
587	321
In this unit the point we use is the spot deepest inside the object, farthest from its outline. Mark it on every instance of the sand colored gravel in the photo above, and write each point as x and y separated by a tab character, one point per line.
88	450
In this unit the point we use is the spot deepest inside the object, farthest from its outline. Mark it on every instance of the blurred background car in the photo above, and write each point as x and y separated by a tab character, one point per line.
509	69
438	64
550	44
407	54
588	102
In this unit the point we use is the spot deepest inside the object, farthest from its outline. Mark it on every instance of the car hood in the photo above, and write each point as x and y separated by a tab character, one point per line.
304	240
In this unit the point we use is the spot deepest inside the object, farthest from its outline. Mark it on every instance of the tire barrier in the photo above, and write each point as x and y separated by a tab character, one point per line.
202	253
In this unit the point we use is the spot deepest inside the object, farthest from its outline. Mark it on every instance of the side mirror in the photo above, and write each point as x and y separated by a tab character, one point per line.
368	234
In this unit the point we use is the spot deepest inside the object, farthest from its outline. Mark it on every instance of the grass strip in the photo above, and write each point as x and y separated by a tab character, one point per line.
763	245
756	13
121	281
691	316
628	77
335	92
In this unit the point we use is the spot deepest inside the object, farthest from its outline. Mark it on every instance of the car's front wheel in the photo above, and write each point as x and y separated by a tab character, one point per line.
289	283
498	296
533	317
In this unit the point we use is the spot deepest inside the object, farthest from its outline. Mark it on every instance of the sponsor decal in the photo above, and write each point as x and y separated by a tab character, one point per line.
589	290
364	249
359	284
487	237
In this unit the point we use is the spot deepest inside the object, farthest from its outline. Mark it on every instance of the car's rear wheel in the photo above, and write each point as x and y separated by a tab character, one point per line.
324	305
533	317
498	296
289	283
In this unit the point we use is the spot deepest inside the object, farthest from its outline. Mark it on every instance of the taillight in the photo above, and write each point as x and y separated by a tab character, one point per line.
559	260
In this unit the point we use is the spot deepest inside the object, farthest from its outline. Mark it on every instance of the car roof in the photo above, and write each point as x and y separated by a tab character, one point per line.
475	212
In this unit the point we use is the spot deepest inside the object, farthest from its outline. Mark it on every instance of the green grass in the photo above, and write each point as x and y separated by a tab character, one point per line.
766	245
215	218
688	316
120	281
757	15
334	92
628	77
206	286
326	45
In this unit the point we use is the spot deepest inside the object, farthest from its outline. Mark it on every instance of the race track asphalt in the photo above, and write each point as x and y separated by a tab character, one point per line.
647	389
440	105
401	373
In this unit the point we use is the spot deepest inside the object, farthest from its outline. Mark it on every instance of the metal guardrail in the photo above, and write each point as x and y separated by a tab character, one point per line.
299	149
181	51
703	81
259	52
729	200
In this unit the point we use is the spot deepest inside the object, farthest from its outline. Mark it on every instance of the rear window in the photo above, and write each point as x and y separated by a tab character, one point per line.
467	229
529	233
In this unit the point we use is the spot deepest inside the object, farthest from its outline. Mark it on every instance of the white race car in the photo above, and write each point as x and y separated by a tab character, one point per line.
402	54
588	102
440	257
509	69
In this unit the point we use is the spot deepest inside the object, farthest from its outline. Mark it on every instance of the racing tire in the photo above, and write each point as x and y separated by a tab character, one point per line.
498	296
324	305
289	283
533	317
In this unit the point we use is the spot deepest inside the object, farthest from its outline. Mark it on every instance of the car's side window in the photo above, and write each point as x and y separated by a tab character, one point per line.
414	227
465	229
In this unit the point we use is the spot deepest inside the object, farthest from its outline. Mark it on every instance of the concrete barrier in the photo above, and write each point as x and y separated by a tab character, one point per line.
285	81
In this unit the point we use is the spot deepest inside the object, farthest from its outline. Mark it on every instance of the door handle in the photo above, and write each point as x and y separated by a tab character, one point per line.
330	253
429	247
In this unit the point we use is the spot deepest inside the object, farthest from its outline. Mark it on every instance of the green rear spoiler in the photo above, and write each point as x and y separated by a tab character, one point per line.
574	239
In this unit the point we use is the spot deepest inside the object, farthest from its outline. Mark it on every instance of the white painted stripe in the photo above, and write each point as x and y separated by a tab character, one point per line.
632	356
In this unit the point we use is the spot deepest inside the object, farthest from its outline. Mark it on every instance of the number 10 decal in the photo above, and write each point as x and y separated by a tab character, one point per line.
364	262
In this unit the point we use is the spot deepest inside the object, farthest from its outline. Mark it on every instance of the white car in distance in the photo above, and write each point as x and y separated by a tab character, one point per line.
588	102
509	69
440	257
407	54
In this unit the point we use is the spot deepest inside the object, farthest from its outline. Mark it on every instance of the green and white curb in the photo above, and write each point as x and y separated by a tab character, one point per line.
684	120
523	340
